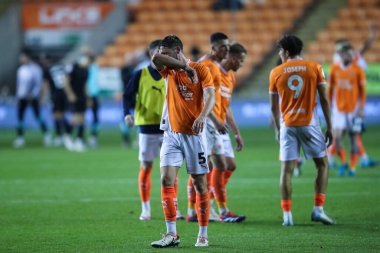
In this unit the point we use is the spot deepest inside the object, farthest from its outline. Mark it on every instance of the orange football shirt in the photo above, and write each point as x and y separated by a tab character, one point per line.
347	86
184	99
296	83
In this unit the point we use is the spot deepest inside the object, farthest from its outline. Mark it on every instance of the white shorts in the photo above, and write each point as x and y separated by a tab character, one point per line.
178	146
341	120
215	144
227	145
149	146
310	138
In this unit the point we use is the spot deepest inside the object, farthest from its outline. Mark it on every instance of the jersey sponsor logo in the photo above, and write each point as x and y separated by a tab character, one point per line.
344	84
183	89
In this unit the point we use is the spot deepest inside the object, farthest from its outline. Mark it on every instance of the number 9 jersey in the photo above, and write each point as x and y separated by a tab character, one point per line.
296	84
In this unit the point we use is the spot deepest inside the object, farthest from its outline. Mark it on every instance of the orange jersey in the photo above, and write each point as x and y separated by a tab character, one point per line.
184	99
347	86
226	89
296	83
214	68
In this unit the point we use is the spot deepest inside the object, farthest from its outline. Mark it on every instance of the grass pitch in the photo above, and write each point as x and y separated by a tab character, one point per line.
52	200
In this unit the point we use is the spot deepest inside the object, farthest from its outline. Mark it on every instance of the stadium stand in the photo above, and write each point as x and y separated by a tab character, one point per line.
257	26
357	16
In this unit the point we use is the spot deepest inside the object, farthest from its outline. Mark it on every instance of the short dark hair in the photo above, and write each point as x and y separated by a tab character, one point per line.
292	44
345	48
218	36
237	48
171	41
154	44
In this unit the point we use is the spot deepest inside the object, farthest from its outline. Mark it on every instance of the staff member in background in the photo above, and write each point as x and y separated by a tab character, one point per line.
28	92
54	76
75	88
93	101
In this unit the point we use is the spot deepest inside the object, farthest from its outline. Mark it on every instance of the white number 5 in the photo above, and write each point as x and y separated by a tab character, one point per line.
297	88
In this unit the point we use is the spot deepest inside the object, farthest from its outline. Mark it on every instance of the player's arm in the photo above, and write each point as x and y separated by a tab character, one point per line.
68	90
161	61
362	94
129	98
367	44
222	128
232	123
209	102
331	85
324	101
275	109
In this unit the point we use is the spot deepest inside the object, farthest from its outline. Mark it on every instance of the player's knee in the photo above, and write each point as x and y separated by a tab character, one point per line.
146	165
167	180
231	165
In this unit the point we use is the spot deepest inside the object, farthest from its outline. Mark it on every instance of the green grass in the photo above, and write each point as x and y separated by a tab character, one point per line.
52	200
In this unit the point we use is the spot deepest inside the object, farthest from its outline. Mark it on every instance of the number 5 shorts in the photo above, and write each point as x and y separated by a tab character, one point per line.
178	146
310	138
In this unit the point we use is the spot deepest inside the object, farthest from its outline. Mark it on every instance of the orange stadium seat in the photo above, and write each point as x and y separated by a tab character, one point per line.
257	26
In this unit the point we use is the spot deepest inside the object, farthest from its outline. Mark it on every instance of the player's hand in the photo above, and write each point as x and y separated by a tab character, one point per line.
72	98
239	142
361	113
129	120
191	74
222	128
198	125
328	137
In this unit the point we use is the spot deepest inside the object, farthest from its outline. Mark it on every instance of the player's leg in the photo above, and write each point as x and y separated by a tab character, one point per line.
340	124
169	203
339	146
194	148
171	158
289	151
217	182
191	198
287	168
321	182
202	207
365	160
93	140
313	144
353	154
41	121
78	124
21	107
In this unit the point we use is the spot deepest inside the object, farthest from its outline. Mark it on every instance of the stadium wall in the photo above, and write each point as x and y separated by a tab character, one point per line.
10	47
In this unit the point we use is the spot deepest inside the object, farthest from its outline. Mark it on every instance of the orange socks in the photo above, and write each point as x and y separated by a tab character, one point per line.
227	175
169	202
342	156
218	187
319	199
332	149
145	184
286	205
360	146
353	161
203	208
190	193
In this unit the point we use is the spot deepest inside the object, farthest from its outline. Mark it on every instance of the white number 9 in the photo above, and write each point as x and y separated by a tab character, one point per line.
297	88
